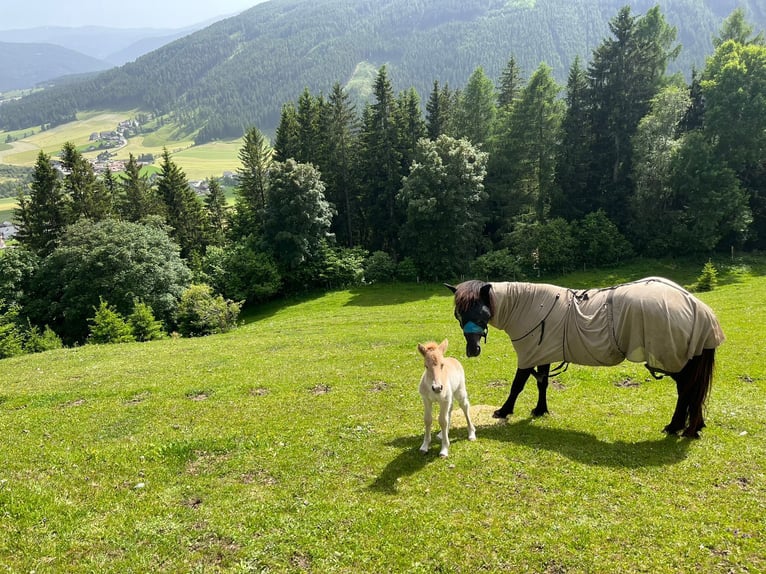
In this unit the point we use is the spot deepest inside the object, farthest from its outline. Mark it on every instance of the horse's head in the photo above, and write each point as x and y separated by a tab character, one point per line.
433	358
473	310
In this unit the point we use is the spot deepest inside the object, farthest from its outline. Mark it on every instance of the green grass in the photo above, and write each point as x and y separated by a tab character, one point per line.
291	445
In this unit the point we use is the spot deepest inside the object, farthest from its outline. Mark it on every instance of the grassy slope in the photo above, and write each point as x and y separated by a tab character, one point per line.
291	445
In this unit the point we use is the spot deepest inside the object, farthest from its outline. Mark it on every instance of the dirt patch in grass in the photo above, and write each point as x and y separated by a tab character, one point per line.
320	389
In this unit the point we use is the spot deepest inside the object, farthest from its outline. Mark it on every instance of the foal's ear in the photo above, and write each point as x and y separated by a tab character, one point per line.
443	346
450	287
422	349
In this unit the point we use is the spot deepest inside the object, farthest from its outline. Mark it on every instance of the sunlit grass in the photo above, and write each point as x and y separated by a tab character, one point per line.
291	444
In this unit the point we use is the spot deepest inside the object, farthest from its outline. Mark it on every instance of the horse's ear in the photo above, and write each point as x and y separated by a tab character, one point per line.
422	349
443	346
484	293
450	287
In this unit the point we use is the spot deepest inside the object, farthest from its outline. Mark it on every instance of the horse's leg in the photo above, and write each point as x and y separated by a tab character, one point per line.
681	413
700	376
445	412
427	419
462	398
519	380
542	390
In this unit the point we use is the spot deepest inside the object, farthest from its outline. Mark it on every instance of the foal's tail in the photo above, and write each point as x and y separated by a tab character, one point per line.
699	383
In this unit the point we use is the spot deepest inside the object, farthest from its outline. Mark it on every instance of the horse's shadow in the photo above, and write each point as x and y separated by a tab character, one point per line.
577	446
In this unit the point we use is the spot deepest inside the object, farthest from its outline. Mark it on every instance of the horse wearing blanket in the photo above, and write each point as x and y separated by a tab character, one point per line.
652	321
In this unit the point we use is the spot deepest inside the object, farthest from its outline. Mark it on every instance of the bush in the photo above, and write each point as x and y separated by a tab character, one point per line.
406	270
599	241
143	324
11	336
708	279
499	265
108	326
379	268
342	267
241	273
40	341
544	247
202	313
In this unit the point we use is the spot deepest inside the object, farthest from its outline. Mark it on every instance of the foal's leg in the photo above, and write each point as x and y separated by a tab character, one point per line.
427	419
519	380
445	416
462	398
542	389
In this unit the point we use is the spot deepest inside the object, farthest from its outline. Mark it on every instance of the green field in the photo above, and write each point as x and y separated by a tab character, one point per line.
198	162
291	445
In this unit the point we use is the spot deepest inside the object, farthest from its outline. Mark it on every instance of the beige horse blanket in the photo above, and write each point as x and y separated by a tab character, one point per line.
652	321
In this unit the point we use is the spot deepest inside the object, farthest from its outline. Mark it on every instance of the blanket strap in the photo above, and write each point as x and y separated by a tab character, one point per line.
541	324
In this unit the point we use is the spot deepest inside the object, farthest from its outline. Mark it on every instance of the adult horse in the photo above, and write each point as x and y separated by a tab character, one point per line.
652	321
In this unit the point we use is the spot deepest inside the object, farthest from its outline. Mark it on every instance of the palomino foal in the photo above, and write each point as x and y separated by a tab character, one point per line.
442	381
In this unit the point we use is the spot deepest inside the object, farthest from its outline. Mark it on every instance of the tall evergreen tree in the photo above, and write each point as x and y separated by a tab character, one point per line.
256	160
43	214
184	212
309	125
511	83
340	142
89	195
287	138
476	109
137	199
439	111
573	198
736	27
381	168
625	73
215	206
410	125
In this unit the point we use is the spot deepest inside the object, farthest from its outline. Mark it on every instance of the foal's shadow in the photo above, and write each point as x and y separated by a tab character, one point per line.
578	446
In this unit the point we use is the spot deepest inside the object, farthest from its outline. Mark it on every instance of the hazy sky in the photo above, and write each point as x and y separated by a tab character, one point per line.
115	14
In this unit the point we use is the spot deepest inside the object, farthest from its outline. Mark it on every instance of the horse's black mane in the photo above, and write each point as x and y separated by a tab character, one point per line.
468	293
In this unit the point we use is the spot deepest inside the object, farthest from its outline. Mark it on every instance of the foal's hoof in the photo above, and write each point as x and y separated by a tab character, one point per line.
498	415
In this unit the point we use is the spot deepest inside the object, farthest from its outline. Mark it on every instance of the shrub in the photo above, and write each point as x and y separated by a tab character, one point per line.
599	241
40	341
406	270
708	279
342	267
108	326
202	313
499	265
241	273
143	324
11	336
379	268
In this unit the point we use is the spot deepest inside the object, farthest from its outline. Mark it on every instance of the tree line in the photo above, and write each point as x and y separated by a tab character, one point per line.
500	179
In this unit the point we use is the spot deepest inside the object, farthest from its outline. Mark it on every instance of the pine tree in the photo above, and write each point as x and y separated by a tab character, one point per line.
256	158
510	84
136	197
184	212
286	141
215	206
43	215
89	195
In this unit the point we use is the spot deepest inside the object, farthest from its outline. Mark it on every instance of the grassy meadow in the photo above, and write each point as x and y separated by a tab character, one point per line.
198	162
291	445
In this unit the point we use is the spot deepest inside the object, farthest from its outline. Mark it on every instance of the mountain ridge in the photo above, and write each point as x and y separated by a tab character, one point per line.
239	71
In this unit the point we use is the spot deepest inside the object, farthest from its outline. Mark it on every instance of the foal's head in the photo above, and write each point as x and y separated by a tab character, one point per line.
433	358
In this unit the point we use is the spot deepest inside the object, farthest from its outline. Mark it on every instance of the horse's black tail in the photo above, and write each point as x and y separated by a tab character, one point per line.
699	383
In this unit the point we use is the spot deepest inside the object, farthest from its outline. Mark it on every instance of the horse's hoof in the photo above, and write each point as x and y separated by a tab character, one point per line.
691	433
669	429
536	413
498	415
443	454
424	450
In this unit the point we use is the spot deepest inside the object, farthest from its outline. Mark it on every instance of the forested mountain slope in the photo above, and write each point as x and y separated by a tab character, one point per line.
26	65
238	72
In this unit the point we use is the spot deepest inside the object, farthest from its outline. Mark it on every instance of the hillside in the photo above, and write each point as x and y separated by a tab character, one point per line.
239	71
26	65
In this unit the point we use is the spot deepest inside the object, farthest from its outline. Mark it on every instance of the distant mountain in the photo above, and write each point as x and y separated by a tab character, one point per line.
238	72
27	65
114	45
